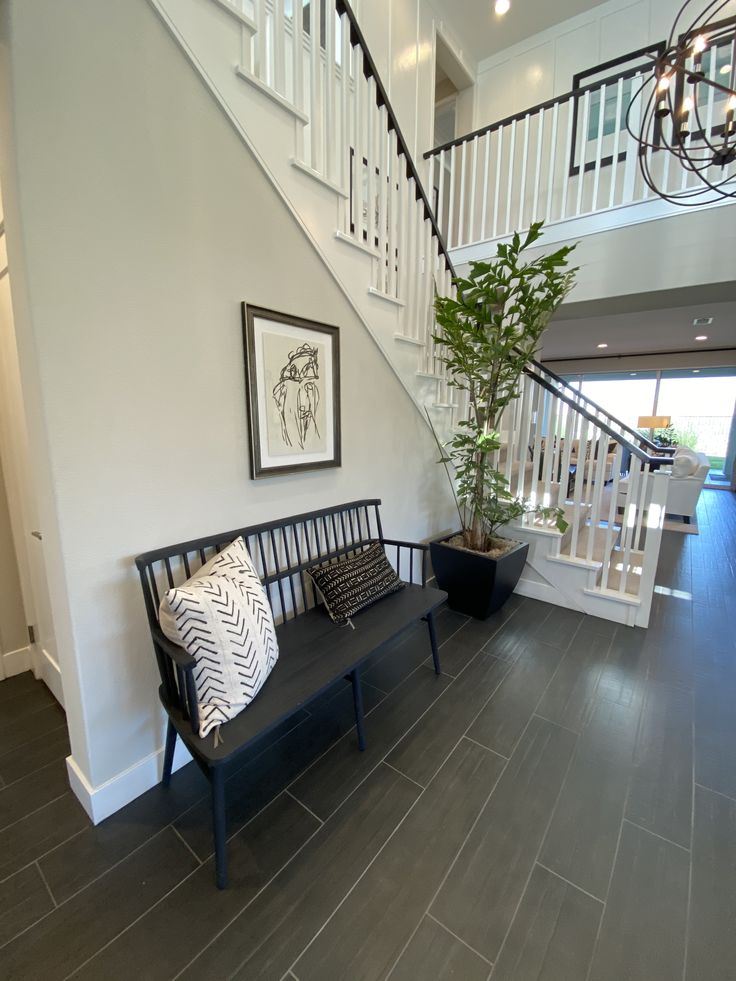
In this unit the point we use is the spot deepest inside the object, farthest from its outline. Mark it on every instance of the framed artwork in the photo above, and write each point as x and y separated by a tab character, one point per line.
292	375
585	127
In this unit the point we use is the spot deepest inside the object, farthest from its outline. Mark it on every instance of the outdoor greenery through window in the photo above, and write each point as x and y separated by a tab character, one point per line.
700	403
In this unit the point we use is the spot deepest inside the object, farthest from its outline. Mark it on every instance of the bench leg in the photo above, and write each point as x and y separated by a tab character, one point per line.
169	754
217	777
358	703
433	642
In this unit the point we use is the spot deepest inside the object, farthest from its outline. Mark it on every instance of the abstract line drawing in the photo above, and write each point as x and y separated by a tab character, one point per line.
297	395
292	374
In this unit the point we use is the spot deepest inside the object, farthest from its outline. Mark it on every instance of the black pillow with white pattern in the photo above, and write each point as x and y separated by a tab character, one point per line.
352	584
222	617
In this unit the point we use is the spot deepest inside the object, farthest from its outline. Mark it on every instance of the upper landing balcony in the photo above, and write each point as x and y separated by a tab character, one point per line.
573	162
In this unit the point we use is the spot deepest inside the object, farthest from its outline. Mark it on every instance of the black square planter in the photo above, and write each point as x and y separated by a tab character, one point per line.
477	585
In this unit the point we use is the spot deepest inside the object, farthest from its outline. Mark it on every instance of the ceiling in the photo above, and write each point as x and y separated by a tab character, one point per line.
640	332
482	33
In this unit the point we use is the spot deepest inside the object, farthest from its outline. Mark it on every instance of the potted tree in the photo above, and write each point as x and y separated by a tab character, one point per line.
486	335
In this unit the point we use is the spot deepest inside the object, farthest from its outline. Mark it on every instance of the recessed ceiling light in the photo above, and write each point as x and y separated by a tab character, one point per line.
502	7
696	371
702	337
602	345
633	374
702	321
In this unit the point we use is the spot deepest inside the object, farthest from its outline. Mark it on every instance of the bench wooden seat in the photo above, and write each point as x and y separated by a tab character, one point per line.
314	653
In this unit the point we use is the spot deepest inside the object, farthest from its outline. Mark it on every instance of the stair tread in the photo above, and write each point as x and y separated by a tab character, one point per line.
599	549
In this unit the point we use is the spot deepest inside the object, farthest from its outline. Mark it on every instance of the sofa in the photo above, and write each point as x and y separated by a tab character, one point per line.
688	472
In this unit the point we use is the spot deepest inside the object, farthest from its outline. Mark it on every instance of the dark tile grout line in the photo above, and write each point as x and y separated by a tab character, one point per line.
27	776
688	906
285	790
194	804
654	834
405	775
30	814
478	653
50	850
483	745
547	827
82	888
48	887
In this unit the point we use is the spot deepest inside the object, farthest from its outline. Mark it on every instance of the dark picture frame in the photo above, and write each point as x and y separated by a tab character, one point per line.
608	73
292	379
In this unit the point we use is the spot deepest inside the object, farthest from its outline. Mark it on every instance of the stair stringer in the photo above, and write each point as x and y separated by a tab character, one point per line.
547	576
206	34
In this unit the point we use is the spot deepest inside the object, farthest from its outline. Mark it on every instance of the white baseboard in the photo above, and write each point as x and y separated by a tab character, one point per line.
16	662
102	801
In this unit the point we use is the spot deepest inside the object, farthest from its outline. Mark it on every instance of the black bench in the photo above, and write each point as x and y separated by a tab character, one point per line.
314	653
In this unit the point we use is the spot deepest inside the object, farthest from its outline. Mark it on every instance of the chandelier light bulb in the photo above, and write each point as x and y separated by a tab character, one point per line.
664	83
502	7
699	45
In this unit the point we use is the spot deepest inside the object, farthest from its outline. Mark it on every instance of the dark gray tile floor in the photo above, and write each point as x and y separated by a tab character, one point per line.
559	806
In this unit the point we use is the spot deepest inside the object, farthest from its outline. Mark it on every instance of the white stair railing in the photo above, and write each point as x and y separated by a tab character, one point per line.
558	454
570	157
560	449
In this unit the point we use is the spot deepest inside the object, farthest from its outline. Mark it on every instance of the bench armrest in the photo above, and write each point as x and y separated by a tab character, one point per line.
178	655
412	547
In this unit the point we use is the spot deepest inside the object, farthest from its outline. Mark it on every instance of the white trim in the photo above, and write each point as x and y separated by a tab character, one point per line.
270	93
15	662
403	339
372	291
49	672
315	175
623	216
100	802
238	15
349	240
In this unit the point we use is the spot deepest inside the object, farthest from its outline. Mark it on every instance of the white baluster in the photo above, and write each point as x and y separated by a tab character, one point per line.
538	168
451	240
473	183
262	61
328	127
632	147
524	160
315	87
616	142
441	196
463	203
569	150
511	169
394	179
583	151
553	150
612	520
402	218
297	53
383	188
279	47
599	146
345	101
497	190
486	177
371	155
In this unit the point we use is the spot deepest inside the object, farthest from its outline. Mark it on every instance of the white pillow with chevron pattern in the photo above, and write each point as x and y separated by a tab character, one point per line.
222	617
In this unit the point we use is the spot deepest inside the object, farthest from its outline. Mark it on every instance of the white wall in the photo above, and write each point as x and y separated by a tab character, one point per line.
542	66
141	223
401	38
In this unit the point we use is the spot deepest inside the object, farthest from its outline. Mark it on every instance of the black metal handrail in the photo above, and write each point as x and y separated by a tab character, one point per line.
577	93
636	451
640	437
371	71
357	39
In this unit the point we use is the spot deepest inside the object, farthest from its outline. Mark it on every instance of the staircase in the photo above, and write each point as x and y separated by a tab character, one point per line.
301	89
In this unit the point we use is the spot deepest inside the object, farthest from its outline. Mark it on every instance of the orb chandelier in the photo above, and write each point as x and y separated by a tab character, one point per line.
686	108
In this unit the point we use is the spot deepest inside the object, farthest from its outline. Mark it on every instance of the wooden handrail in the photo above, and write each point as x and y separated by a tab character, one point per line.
371	71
